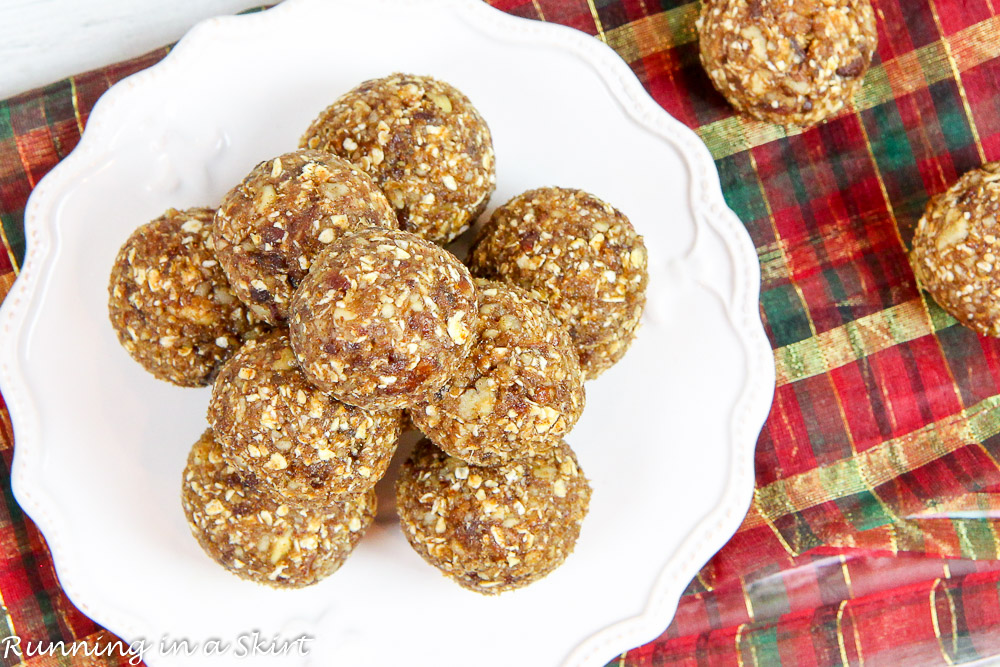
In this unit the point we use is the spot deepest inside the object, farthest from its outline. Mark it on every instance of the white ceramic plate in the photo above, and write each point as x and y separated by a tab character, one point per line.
667	439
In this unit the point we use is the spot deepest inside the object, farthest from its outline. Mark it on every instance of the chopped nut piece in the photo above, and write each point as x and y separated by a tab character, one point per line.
214	507
276	462
457	329
441	101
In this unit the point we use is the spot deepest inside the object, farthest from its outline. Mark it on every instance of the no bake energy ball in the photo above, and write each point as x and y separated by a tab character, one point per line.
270	227
263	538
424	144
580	256
170	304
492	529
293	438
383	319
956	249
794	62
518	392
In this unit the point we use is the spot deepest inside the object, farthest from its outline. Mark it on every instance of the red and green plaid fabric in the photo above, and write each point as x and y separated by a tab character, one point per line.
872	538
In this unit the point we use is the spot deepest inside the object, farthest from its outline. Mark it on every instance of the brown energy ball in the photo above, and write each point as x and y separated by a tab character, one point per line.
263	538
492	529
518	392
170	304
270	227
956	248
424	144
580	256
794	62
295	439
383	319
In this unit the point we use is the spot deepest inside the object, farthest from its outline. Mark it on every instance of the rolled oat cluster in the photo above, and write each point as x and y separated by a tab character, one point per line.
374	324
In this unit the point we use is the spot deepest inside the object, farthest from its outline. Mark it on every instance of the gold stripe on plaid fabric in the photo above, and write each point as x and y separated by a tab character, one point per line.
982	504
772	262
654	34
932	606
976	44
5	284
852	341
905	74
844	659
75	97
878	465
8	618
739	649
956	72
597	21
841	610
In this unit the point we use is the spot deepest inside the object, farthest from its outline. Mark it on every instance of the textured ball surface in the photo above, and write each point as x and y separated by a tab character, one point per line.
518	392
301	443
793	62
383	319
270	227
261	538
492	529
578	255
956	248
423	142
170	304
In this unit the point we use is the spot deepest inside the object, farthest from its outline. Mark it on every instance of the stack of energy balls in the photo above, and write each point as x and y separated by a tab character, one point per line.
319	303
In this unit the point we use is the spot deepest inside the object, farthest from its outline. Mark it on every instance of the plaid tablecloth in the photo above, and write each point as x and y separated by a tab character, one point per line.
872	538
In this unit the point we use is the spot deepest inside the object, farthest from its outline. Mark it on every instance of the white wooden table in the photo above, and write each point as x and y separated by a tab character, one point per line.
42	41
